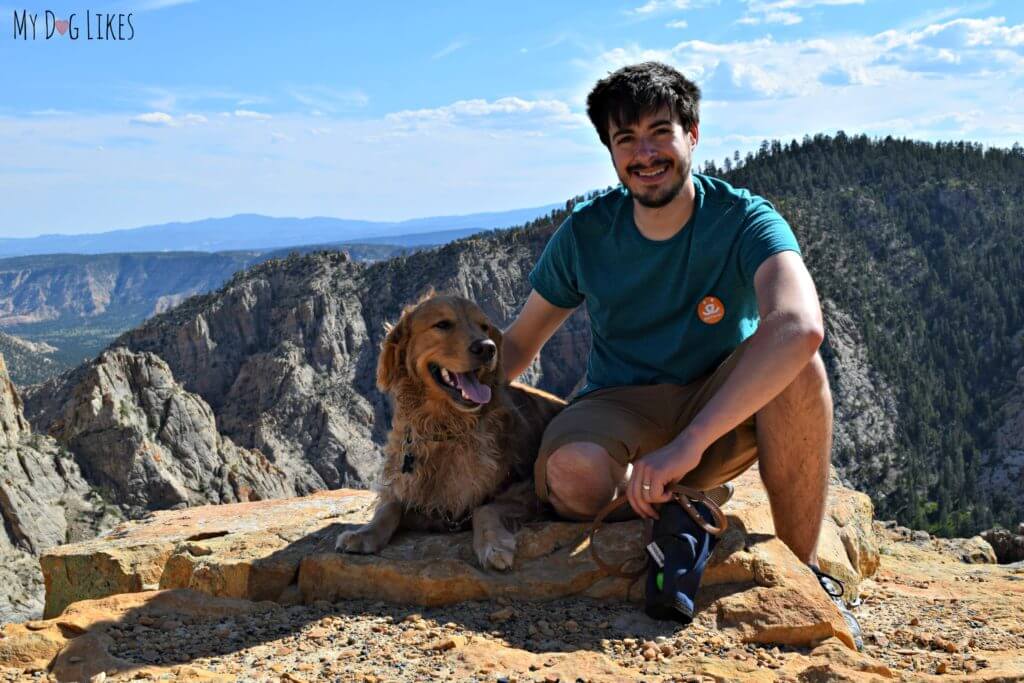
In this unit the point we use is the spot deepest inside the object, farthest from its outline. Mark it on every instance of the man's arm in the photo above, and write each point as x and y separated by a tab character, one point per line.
531	329
789	334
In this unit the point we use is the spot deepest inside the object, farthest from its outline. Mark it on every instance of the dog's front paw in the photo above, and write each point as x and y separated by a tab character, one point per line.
497	550
362	540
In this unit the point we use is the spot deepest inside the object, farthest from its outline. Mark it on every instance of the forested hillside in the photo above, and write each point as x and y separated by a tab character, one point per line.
923	245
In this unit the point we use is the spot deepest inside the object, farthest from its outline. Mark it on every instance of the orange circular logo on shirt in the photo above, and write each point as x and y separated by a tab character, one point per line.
710	310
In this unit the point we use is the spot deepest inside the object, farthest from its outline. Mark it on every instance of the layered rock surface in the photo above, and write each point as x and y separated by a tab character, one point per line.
233	578
128	439
139	435
281	550
44	501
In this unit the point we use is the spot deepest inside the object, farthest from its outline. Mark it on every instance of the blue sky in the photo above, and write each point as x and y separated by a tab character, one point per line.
387	112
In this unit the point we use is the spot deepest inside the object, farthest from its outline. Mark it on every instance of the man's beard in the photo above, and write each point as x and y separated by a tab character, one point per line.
655	198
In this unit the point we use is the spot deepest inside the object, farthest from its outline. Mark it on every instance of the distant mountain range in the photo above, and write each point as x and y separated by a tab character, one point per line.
253	231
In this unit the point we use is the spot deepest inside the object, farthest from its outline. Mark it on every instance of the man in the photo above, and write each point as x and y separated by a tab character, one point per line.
705	329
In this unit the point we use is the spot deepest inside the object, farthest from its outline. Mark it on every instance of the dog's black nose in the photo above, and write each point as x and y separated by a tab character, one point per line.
484	348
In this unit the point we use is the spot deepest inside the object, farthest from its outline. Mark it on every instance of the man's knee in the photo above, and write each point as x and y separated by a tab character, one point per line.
810	384
579	478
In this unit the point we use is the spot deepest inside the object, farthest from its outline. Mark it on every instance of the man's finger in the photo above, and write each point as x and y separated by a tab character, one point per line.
636	492
633	501
658	493
653	495
643	497
649	511
638	498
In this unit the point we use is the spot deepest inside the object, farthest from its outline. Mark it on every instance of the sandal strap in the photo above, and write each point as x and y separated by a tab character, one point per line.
682	495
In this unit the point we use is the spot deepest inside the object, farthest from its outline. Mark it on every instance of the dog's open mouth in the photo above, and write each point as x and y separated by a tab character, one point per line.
464	387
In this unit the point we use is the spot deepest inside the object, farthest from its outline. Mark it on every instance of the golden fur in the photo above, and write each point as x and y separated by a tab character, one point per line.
468	461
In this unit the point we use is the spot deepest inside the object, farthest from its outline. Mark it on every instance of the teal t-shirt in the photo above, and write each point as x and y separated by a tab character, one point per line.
662	311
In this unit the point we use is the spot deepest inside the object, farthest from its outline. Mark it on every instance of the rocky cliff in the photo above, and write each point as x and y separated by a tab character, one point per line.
127	439
151	445
44	502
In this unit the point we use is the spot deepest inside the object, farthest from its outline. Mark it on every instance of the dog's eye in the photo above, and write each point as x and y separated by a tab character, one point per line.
443	324
485	327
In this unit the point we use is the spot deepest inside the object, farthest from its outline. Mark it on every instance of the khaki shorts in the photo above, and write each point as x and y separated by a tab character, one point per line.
631	421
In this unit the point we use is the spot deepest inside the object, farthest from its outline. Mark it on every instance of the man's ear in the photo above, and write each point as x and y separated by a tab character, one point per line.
392	354
694	133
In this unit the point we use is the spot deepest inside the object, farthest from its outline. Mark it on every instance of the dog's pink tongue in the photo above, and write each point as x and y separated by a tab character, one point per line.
478	393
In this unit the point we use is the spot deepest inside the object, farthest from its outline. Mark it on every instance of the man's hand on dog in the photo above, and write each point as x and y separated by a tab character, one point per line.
656	471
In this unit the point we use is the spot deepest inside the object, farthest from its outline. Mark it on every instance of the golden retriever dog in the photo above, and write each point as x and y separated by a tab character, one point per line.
463	439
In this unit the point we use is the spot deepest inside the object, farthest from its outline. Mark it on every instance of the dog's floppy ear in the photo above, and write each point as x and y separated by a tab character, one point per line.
392	354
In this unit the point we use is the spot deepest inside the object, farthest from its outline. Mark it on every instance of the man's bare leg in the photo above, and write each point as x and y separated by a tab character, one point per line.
794	443
794	440
582	478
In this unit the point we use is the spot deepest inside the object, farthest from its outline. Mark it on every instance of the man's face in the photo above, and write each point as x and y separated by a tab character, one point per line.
652	158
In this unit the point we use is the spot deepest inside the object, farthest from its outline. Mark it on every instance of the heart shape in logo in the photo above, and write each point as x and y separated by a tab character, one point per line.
61	25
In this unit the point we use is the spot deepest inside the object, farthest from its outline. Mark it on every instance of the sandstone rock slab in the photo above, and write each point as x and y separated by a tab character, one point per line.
229	550
282	550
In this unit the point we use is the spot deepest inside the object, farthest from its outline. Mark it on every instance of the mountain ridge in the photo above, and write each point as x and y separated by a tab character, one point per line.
247	231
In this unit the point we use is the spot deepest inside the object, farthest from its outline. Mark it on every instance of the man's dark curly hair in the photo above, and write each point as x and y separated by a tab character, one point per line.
633	91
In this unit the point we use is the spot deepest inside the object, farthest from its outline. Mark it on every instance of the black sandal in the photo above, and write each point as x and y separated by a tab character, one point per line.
680	552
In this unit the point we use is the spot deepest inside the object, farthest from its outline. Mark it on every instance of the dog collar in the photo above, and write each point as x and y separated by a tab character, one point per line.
409	458
443	435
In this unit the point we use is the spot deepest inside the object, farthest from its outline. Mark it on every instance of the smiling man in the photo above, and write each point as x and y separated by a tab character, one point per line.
705	328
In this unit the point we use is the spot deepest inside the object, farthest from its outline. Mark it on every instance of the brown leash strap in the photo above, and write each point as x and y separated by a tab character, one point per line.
682	495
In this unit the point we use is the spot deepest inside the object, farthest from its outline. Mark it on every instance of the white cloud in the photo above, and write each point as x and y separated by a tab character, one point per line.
507	110
163	119
776	5
956	79
766	68
785	18
649	7
323	98
963	46
50	111
249	114
162	98
677	24
155	118
652	7
449	48
782	11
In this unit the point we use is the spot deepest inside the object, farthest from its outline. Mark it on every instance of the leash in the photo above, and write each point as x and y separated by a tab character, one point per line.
683	495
